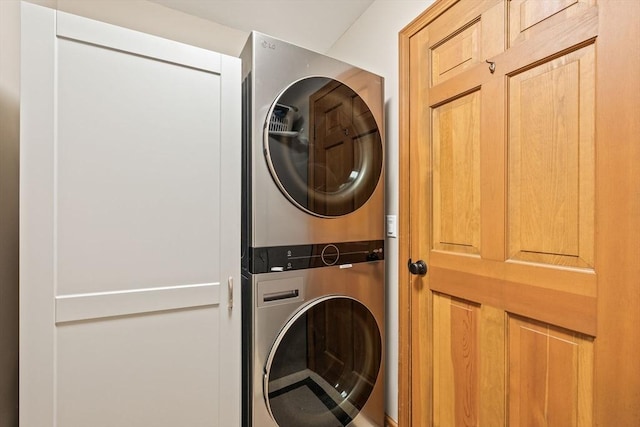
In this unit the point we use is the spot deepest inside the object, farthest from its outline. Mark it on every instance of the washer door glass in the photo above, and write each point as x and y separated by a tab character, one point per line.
323	365
323	147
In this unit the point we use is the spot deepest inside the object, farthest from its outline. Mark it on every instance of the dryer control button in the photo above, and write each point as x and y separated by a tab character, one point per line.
330	254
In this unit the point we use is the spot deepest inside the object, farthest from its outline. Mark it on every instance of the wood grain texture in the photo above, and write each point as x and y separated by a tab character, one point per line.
456	362
493	164
404	248
528	17
617	381
570	280
456	175
568	310
478	16
456	54
551	161
568	82
491	339
420	237
548	370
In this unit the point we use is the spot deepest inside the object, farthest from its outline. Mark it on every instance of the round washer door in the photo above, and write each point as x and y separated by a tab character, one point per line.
323	365
323	147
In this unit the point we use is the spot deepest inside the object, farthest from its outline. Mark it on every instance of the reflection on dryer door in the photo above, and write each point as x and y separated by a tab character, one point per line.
345	140
328	161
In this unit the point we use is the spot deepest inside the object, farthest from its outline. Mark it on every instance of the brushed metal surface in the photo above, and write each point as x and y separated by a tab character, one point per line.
363	282
273	65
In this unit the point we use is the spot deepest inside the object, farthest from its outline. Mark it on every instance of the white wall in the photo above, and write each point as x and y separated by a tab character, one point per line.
372	43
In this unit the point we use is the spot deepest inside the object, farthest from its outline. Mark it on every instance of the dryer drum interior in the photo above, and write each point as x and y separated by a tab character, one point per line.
324	364
323	147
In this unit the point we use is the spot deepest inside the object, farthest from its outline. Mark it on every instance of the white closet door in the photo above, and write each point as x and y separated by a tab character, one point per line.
129	228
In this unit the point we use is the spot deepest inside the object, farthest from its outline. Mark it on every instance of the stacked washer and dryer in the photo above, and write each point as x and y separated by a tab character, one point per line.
312	239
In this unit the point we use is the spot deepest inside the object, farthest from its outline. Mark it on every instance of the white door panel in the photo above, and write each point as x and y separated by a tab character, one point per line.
153	370
138	171
130	210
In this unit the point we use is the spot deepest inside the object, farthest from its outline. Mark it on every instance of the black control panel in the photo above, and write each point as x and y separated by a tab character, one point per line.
299	257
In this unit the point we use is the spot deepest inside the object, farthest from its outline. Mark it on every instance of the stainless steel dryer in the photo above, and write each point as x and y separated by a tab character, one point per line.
316	337
314	151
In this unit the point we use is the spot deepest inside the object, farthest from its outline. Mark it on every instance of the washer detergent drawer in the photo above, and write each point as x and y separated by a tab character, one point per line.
282	291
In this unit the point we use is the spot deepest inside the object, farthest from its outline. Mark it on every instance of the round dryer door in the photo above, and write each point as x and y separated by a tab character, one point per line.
323	365
323	147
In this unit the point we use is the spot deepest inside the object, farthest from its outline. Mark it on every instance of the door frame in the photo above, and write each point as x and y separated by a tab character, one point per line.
408	293
619	233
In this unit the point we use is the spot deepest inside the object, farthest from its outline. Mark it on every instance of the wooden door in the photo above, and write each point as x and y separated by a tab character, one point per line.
519	189
127	252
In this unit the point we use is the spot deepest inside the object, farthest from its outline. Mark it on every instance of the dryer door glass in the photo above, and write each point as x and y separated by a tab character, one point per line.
323	147
323	365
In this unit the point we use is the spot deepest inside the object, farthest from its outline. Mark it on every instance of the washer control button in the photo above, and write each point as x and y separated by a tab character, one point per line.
330	254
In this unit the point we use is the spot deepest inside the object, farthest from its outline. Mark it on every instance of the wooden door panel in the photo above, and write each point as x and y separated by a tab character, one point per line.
527	18
550	375
548	370
492	384
456	175
469	41
552	162
455	362
456	54
468	363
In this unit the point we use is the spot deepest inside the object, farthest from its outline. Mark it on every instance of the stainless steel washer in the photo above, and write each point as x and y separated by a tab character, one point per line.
317	337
